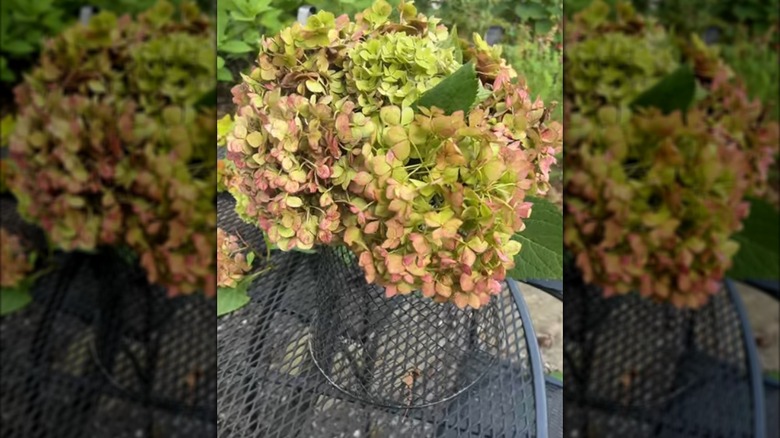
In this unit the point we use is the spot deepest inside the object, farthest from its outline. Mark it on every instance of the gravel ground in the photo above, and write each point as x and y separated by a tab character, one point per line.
764	314
547	315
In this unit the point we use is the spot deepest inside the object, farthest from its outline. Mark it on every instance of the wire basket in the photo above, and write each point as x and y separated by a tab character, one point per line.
400	352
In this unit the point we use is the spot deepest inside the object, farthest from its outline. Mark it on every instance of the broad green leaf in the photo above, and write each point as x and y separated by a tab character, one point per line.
235	46
18	47
457	91
758	257
482	94
231	299
674	92
530	11
542	253
13	299
224	75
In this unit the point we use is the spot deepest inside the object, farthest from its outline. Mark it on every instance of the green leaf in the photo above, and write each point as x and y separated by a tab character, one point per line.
674	92
13	299
235	46
456	92
558	375
18	47
541	256
224	75
532	11
758	257
231	299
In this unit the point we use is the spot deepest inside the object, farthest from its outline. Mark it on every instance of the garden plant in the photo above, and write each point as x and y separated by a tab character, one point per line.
424	154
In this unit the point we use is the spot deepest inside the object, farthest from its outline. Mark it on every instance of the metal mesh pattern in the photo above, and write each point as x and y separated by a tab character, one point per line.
269	386
641	369
365	343
554	392
99	353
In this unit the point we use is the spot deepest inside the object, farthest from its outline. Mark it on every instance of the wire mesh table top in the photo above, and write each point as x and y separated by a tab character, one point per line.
641	369
269	386
86	359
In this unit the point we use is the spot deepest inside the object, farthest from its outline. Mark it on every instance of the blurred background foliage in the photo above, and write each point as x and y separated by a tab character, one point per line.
531	32
745	31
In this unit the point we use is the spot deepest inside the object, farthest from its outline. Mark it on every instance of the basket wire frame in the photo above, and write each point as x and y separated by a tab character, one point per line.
400	352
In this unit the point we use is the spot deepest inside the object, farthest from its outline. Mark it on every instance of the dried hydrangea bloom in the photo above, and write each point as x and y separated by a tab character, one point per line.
14	259
652	200
329	149
111	147
232	264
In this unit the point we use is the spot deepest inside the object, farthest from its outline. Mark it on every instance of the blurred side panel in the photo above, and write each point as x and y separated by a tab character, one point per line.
670	211
108	230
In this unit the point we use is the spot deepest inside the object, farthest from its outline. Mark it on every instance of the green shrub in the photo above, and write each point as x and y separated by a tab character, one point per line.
23	26
541	62
756	62
240	26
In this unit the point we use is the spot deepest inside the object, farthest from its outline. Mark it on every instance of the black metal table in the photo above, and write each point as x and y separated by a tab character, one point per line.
269	386
641	369
99	353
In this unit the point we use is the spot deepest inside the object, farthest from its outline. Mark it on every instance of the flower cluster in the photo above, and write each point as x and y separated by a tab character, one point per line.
112	146
14	259
653	199
329	148
232	264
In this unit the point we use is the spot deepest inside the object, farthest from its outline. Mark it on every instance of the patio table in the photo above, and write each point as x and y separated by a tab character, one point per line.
643	369
268	385
99	353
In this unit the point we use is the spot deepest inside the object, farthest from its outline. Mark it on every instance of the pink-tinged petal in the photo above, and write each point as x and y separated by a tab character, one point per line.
646	286
391	291
428	289
467	256
323	171
371	227
443	290
461	300
394	263
419	243
447	262
466	282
